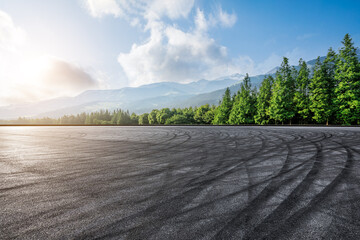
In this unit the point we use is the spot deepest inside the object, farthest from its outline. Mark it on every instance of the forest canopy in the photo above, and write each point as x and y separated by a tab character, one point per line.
328	93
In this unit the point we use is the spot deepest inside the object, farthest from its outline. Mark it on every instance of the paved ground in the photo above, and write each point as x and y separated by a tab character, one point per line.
179	183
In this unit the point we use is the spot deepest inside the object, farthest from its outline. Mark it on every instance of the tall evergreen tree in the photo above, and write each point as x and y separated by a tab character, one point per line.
263	101
301	97
223	111
347	76
243	109
281	104
322	87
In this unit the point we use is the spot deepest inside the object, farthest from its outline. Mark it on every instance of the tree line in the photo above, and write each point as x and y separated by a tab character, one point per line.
198	115
329	93
102	117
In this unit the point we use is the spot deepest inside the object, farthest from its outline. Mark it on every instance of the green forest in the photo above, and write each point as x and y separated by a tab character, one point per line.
329	93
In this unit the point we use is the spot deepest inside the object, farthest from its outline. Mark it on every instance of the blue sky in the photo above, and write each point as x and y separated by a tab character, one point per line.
113	43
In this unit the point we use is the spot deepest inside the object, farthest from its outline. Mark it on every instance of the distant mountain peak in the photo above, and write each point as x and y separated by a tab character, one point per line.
272	71
235	76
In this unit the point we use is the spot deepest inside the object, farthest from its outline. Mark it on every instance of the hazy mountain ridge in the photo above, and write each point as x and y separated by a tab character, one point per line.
136	99
139	99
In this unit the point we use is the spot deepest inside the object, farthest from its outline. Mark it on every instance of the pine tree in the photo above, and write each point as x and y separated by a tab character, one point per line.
281	103
347	76
301	97
263	101
322	87
223	111
243	110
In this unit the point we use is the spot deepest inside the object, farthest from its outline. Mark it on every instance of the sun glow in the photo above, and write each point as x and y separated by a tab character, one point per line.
31	69
21	67
25	79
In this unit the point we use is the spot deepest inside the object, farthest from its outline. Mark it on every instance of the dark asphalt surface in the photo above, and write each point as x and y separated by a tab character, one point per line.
179	183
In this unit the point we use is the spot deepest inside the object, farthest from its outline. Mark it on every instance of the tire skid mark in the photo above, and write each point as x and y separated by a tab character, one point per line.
230	167
188	195
278	215
289	225
181	183
255	153
267	193
240	219
192	192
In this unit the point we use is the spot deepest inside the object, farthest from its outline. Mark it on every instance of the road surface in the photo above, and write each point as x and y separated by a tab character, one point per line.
179	183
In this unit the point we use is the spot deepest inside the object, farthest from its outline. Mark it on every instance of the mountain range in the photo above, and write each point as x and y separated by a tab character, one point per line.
137	99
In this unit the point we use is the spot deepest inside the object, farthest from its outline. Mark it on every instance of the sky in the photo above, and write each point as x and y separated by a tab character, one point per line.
61	48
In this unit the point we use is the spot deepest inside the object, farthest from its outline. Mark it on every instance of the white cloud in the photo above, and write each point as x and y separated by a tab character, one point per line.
200	21
135	22
226	19
171	53
99	8
44	78
149	9
11	36
173	9
28	77
66	78
181	55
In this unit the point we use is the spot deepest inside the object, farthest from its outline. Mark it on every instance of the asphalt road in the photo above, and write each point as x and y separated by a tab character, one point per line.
179	183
